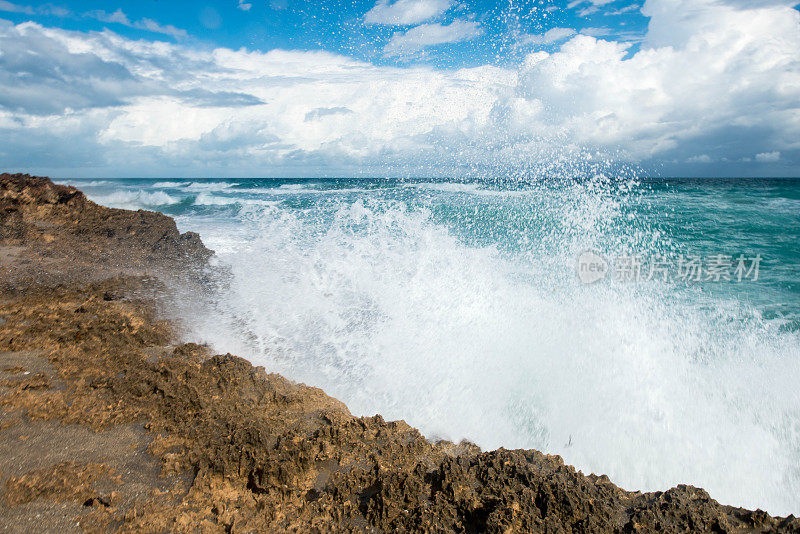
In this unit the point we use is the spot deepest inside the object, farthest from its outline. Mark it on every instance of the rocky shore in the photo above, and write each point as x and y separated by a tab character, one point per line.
110	422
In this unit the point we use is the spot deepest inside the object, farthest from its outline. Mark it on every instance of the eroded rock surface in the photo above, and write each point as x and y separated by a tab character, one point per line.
51	234
209	443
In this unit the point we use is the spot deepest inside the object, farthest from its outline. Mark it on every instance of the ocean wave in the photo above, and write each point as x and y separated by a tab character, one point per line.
390	311
168	185
285	189
300	189
295	187
447	187
210	186
85	183
790	205
140	199
468	188
206	199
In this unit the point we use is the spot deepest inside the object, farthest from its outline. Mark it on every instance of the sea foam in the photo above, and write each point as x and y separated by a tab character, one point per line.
461	313
382	305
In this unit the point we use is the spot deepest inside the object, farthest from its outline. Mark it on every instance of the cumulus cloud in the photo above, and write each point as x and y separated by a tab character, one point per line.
750	4
45	77
420	37
712	83
50	72
406	12
708	73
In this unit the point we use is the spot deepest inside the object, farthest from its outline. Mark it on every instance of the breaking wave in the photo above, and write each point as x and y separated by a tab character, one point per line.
465	318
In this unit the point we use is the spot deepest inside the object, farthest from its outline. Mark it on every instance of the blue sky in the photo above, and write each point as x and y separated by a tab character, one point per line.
275	87
343	26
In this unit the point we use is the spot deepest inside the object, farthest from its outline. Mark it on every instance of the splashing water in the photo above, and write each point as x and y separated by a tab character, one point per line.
456	307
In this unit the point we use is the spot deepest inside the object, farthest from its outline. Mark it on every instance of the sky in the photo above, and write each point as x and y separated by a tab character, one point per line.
400	87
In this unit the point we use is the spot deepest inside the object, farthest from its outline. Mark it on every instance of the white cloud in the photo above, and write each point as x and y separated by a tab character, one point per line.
244	6
319	113
576	3
119	17
708	74
155	27
712	80
750	4
55	11
620	36
420	37
47	9
768	157
553	35
406	12
592	7
597	32
15	8
623	10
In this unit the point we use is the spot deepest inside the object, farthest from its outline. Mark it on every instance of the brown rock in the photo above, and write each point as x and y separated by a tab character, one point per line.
258	452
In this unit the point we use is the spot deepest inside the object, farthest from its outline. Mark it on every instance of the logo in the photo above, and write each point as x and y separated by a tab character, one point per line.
591	267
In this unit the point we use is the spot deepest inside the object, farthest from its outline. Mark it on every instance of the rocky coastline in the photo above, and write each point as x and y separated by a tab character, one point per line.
109	421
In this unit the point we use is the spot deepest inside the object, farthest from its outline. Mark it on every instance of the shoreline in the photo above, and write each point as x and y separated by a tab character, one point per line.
165	436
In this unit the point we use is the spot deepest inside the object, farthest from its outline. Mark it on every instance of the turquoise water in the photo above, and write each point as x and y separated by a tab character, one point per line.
457	306
701	217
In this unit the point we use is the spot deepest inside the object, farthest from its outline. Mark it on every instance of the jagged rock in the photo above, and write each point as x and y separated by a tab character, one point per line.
55	223
258	452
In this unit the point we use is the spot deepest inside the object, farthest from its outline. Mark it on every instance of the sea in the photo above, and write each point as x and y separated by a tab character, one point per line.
647	329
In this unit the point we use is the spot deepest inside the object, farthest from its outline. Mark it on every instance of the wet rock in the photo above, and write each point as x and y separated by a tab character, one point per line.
23	189
84	241
259	452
